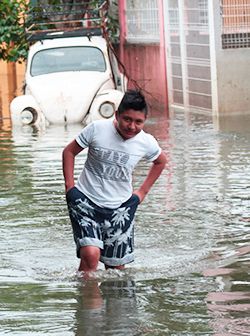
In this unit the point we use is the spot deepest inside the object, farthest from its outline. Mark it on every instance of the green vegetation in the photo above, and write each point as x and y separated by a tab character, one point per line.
13	45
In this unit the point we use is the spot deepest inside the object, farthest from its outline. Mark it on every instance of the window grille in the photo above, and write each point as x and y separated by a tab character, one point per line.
235	15
196	15
188	57
203	11
142	21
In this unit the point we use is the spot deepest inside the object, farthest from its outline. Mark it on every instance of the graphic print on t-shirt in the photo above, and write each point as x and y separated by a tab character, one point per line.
108	164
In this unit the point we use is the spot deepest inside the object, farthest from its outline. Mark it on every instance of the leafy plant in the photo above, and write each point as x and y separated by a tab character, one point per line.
13	44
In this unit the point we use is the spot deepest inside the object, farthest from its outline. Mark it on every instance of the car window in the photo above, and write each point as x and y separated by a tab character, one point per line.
67	59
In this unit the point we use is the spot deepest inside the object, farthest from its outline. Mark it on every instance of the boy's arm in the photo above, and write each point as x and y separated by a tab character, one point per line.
68	162
153	174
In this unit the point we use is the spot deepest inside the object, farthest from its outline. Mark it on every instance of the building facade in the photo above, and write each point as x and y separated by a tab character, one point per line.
197	52
208	55
142	49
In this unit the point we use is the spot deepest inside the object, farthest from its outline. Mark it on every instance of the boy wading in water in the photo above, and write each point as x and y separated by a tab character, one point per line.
102	203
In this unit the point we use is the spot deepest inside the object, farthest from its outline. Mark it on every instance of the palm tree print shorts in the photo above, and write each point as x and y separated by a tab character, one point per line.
112	230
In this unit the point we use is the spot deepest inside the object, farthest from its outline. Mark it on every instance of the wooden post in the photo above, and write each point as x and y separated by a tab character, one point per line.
122	19
1	103
12	81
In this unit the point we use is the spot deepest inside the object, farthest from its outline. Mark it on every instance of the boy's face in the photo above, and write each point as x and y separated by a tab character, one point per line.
129	123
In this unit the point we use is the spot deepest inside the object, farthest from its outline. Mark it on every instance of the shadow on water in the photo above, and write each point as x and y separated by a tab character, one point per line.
191	273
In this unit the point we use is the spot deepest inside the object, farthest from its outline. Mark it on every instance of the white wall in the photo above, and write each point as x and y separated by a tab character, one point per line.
232	73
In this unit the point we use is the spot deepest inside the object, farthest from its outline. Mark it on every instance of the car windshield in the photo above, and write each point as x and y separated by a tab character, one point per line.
67	59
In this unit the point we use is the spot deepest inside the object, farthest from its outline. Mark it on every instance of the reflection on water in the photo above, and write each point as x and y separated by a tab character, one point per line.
191	274
108	306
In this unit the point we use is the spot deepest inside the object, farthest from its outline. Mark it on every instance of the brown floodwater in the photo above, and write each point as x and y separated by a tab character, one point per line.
192	239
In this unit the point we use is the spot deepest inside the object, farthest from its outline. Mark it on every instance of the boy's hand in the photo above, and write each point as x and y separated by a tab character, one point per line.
140	194
68	188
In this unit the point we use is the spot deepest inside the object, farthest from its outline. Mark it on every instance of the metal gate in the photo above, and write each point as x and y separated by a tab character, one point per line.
188	54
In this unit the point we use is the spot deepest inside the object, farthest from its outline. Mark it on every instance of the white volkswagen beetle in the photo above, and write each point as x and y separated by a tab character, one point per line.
69	80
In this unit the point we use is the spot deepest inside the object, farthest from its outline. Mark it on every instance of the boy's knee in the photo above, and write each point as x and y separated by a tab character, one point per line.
90	255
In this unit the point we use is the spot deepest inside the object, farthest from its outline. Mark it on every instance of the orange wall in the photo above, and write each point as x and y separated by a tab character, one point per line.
7	84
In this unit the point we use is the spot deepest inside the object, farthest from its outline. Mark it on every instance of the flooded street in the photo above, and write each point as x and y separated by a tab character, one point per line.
192	239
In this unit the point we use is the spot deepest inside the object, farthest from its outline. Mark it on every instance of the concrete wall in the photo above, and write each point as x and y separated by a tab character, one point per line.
233	81
232	72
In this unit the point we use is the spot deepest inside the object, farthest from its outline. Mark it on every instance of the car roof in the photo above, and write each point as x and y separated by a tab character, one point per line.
93	41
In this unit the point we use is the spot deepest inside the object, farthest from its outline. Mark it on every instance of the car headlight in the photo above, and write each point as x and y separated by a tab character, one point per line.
28	116
107	109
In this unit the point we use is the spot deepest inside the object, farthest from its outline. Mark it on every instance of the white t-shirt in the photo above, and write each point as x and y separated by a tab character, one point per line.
106	178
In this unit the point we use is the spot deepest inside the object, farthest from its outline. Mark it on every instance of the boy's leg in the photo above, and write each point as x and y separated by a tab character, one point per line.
90	256
87	232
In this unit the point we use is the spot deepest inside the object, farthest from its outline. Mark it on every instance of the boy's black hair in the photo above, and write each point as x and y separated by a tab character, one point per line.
133	99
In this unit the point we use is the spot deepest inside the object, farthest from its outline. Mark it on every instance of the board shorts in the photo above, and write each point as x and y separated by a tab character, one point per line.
112	230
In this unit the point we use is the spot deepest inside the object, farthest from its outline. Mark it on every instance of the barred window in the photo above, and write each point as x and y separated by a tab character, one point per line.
142	21
235	16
